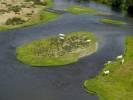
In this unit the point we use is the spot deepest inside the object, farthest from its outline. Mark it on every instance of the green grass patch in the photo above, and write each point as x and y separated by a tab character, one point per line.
118	85
110	21
76	9
53	51
49	3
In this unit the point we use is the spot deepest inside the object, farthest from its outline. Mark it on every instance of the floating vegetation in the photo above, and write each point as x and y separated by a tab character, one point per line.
111	21
76	9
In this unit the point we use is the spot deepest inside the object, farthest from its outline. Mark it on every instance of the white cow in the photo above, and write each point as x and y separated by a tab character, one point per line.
119	57
109	62
62	38
122	61
62	35
88	41
106	72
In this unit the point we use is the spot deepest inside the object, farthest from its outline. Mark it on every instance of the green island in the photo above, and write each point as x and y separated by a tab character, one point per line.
77	9
22	13
118	84
57	50
111	21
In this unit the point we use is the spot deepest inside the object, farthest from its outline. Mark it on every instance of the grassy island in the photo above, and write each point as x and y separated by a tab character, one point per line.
118	84
57	50
111	21
21	13
77	9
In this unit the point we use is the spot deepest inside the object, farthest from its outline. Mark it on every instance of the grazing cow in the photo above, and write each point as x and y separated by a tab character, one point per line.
106	72
122	61
62	38
62	35
119	57
109	62
88	41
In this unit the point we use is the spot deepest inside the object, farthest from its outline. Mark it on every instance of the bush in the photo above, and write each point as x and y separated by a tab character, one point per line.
14	8
2	11
14	21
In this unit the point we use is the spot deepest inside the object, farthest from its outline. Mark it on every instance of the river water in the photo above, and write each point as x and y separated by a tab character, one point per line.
23	82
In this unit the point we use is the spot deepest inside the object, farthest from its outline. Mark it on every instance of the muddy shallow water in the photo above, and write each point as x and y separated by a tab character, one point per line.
23	82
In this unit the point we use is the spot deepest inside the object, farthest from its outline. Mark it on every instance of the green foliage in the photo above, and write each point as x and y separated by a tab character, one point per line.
14	21
14	8
118	85
119	4
56	51
2	11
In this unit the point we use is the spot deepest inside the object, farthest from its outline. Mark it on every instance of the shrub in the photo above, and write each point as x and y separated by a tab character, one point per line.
14	21
14	8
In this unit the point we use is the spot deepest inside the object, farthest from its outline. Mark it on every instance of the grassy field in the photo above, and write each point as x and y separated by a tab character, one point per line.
76	9
57	51
118	84
111	21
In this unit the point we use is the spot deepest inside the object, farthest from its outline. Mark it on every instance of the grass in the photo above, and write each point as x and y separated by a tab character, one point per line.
43	17
76	9
53	51
49	3
118	85
110	21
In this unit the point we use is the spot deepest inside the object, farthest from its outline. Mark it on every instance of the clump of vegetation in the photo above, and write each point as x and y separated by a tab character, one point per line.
15	9
80	10
110	21
118	84
58	50
14	21
2	11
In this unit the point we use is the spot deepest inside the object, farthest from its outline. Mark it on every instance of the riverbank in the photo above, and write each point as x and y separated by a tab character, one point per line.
29	14
118	84
57	50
